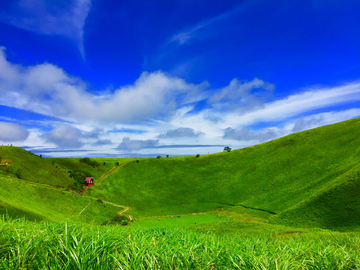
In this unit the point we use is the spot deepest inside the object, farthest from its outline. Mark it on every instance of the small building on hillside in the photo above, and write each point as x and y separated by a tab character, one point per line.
89	181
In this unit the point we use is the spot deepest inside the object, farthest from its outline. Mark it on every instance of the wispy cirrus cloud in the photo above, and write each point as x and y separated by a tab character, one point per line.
294	125
293	113
321	119
63	18
294	105
198	31
242	96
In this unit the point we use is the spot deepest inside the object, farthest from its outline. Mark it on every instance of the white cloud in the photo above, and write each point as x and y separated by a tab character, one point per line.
281	114
294	125
94	133
11	132
156	104
213	122
68	136
144	143
181	132
311	99
64	136
48	90
245	134
128	144
64	18
241	96
102	142
321	119
307	123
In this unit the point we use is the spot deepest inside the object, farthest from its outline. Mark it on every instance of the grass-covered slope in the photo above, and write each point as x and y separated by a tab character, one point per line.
30	167
274	176
74	164
335	206
22	199
36	188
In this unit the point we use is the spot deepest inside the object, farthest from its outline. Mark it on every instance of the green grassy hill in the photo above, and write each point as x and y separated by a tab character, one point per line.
283	176
34	202
308	179
60	172
335	206
28	166
105	164
37	188
311	178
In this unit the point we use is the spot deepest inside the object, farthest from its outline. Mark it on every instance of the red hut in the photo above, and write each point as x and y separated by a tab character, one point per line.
89	181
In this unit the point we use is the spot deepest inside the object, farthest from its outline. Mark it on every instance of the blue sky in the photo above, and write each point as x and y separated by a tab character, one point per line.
145	78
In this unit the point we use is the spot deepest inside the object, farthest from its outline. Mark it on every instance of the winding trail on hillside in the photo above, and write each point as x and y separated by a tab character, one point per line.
125	208
103	176
100	180
111	171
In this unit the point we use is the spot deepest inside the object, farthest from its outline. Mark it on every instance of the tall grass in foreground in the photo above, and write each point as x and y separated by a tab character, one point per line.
26	245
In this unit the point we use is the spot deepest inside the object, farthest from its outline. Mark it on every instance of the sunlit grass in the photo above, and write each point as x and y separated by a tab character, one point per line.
19	199
177	221
276	176
306	179
71	246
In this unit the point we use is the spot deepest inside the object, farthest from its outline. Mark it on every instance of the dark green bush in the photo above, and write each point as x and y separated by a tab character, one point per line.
92	163
118	219
18	173
79	178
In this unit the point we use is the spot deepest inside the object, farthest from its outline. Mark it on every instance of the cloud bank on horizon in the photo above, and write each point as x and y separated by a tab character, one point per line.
180	98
